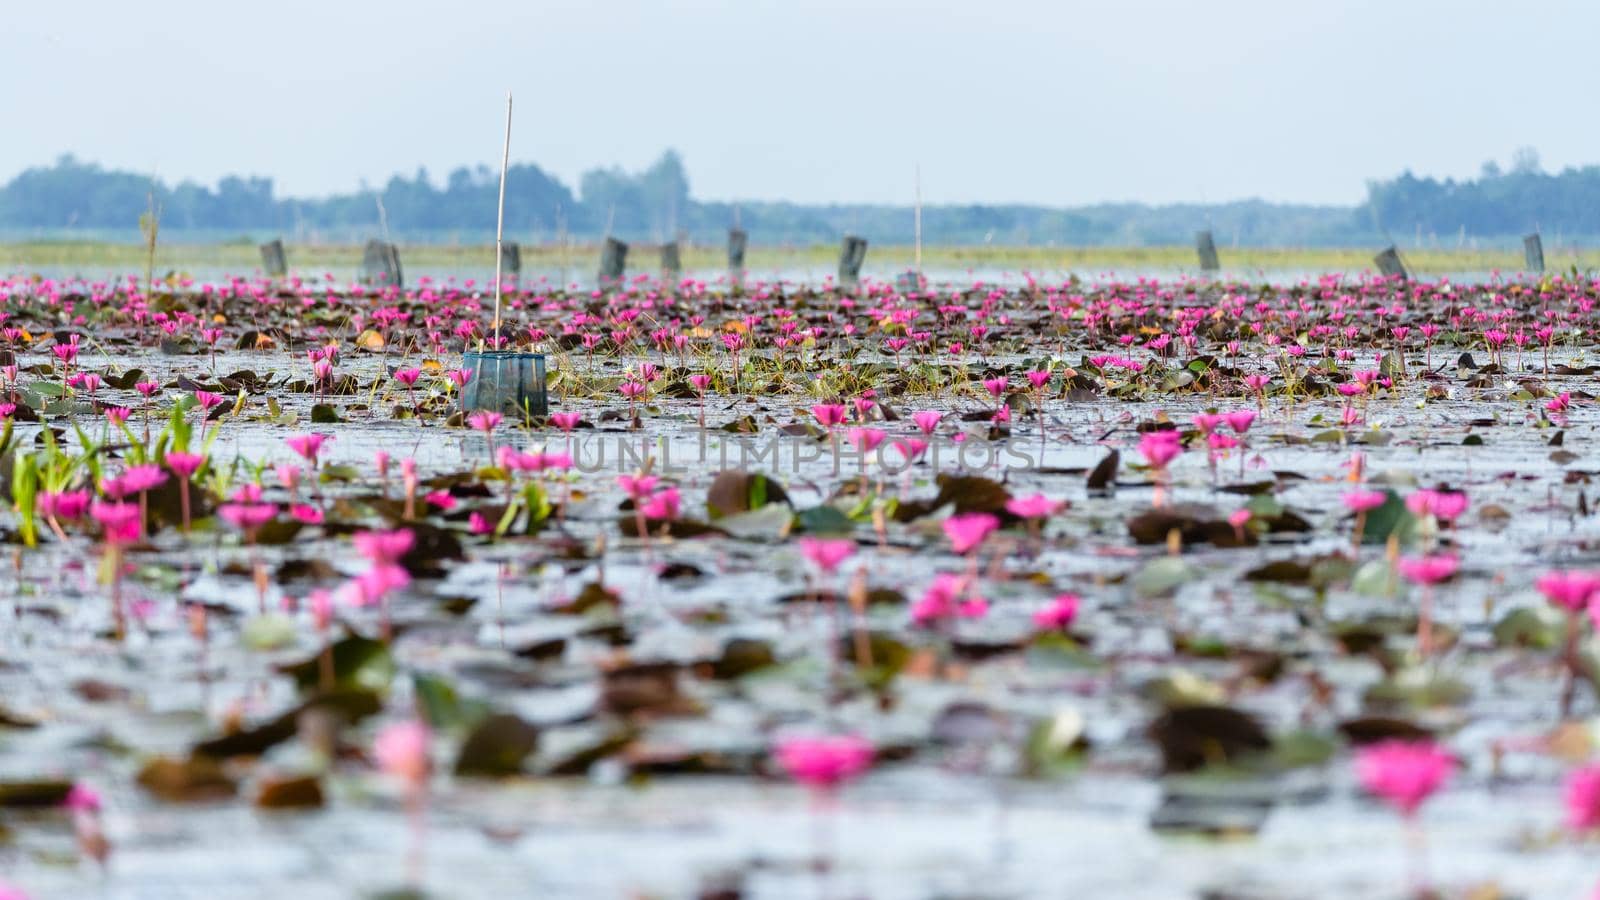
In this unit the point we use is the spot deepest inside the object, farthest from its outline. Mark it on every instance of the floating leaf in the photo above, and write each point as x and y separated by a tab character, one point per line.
1391	517
497	746
1161	576
1104	474
824	519
1194	737
734	492
358	662
33	794
1531	626
303	792
196	779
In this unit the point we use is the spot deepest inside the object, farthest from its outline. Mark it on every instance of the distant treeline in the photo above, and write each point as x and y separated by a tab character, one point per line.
1496	203
73	197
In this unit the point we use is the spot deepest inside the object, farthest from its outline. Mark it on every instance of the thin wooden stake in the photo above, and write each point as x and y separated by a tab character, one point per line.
500	222
919	220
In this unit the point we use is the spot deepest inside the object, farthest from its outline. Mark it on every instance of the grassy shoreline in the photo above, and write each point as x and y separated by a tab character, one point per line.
340	258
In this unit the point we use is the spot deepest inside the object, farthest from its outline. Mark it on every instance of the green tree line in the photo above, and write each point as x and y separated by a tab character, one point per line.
72	196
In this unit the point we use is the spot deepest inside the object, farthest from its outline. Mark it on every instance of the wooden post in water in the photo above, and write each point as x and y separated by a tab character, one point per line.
852	253
671	263
613	262
1533	253
511	258
273	261
380	264
1206	247
738	241
1388	262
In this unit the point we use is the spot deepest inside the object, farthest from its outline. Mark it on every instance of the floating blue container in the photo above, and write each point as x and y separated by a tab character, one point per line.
505	381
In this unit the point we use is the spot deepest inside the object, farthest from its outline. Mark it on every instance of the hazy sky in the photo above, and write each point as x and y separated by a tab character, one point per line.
1040	101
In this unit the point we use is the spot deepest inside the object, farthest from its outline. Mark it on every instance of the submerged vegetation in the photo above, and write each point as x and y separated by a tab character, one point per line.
1117	559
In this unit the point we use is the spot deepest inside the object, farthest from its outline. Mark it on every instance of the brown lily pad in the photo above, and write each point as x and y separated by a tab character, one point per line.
194	780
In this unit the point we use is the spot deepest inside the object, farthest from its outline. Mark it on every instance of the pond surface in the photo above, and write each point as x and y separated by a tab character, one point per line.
1010	762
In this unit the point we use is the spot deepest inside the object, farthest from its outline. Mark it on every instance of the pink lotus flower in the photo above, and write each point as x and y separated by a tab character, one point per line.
701	382
307	446
63	505
306	514
663	505
114	487
320	602
1037	506
247	517
1039	378
1241	420
401	750
371	586
208	400
1359	501
824	762
827	553
141	478
407	377
82	798
949	597
1570	590
911	448
384	546
967	530
484	421
865	440
1446	506
288	476
479	524
565	421
1582	798
1159	448
117	415
184	465
1059	614
118	521
440	499
1404	773
829	415
637	486
927	420
1428	569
